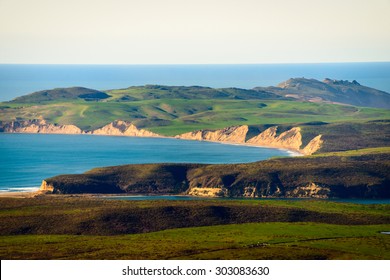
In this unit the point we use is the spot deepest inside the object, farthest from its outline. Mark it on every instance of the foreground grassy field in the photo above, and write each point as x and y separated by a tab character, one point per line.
87	228
242	241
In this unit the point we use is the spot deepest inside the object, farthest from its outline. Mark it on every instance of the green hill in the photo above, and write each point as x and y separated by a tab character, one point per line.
61	94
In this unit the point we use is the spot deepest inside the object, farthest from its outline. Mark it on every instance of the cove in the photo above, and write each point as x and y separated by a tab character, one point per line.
27	159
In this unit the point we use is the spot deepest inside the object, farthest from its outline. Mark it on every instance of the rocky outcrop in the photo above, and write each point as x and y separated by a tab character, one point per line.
122	128
249	192
232	134
39	126
46	187
311	190
208	192
331	91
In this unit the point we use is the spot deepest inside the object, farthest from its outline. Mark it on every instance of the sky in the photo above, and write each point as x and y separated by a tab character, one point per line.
193	31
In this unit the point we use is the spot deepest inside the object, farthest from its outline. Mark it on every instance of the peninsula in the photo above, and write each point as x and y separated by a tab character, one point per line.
303	115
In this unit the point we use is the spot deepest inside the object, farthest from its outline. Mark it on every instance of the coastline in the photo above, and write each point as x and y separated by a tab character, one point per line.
293	152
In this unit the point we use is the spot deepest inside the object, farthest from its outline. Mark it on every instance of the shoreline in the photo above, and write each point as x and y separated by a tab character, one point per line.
291	152
122	197
20	194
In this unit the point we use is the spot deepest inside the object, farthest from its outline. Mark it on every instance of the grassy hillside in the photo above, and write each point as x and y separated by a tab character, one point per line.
86	228
174	116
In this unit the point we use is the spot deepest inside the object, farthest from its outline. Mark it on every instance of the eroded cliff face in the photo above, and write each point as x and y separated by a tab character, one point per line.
311	190
291	139
313	146
119	128
122	128
40	126
232	134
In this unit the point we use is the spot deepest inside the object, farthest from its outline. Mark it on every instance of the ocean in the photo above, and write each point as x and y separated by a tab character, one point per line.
17	80
27	159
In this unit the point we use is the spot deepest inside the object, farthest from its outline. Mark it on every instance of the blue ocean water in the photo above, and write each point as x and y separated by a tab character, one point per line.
27	159
17	80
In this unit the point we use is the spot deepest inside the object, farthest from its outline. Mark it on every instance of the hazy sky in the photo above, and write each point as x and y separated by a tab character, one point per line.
193	31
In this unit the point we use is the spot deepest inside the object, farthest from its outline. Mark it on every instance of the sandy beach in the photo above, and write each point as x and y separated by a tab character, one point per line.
28	194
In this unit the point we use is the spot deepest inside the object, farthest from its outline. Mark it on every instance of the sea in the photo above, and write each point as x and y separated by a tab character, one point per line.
17	80
27	159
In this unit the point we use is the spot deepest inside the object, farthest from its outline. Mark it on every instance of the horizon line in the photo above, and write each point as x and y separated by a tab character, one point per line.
196	64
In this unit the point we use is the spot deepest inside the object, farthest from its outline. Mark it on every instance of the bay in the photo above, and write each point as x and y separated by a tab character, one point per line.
27	159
